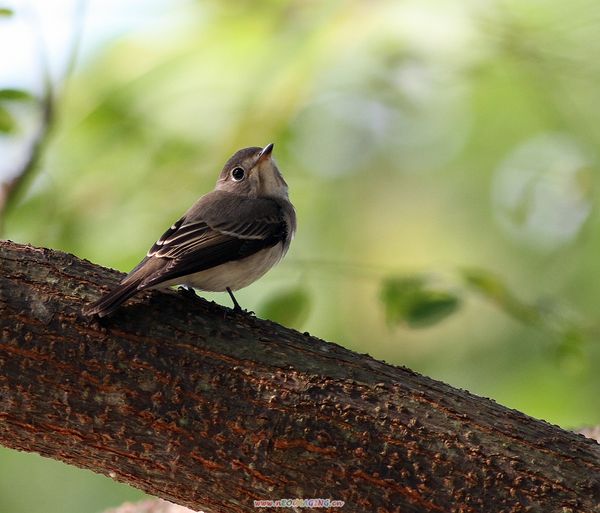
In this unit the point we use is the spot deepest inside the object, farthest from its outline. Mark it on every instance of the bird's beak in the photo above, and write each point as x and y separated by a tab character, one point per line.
265	153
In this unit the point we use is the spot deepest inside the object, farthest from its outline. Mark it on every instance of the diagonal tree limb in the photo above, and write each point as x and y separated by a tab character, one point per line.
209	409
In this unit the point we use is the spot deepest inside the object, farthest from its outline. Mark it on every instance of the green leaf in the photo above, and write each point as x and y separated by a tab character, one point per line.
15	95
5	11
289	307
413	302
484	281
8	125
431	308
492	287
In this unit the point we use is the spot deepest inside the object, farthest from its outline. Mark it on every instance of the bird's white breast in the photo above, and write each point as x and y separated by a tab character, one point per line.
236	274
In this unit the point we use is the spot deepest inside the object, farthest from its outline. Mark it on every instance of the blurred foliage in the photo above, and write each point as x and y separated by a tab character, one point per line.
564	327
442	157
7	122
289	307
412	301
8	97
31	484
14	94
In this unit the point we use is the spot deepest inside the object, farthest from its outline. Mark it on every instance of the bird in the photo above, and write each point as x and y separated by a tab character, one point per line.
227	239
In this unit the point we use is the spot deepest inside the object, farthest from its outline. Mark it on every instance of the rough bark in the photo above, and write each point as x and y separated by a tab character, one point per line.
209	409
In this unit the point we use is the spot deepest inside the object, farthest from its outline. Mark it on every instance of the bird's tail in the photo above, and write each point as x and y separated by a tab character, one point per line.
108	303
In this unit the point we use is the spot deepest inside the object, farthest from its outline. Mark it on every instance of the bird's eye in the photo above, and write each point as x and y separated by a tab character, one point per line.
238	174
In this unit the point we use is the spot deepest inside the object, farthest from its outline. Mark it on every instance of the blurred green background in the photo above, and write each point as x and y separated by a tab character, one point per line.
442	156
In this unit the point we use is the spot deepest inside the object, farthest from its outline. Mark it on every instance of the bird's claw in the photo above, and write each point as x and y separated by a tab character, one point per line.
242	311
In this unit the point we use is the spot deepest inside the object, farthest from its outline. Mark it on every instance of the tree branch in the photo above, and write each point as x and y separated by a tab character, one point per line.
209	409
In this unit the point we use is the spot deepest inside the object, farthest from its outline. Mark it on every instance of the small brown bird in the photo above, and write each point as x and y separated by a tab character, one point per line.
227	240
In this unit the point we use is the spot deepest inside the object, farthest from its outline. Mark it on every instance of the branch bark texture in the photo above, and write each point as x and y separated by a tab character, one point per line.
212	410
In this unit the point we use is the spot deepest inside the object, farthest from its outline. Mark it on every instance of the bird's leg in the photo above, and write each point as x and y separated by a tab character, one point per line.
236	305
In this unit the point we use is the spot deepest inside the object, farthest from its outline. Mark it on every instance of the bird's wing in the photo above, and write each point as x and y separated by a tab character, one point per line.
207	237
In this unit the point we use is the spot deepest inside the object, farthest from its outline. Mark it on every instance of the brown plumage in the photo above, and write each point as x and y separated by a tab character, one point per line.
228	239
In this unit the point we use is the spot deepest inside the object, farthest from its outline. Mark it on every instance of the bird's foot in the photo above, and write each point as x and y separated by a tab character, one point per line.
236	306
239	310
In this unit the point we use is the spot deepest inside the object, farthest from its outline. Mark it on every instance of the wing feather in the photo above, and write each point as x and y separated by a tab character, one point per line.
196	242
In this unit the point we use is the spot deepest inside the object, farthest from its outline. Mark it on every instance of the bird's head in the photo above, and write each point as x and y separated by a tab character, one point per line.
252	172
